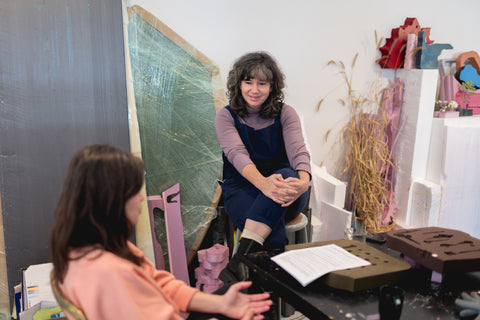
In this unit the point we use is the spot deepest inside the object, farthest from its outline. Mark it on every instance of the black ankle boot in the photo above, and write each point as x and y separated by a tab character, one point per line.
235	270
248	246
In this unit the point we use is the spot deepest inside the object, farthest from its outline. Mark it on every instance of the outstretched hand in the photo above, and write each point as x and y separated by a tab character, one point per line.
470	302
243	306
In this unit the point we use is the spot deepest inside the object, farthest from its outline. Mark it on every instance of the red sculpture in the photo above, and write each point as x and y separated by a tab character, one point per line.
393	52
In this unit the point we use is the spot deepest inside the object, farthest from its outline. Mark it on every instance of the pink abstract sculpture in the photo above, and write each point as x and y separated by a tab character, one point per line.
169	202
211	262
175	241
412	40
156	202
466	100
448	88
392	99
448	84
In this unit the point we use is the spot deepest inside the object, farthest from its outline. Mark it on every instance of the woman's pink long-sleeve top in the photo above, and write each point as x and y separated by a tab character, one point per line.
235	150
105	286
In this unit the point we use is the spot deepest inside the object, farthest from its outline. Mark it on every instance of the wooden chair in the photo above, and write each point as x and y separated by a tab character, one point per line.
64	303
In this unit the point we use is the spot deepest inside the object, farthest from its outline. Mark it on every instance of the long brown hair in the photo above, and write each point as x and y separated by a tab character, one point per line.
262	66
91	209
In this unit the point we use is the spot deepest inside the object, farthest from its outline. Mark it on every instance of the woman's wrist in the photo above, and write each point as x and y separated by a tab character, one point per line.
207	303
304	178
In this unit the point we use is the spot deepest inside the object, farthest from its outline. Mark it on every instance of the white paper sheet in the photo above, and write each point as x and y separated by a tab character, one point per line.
309	264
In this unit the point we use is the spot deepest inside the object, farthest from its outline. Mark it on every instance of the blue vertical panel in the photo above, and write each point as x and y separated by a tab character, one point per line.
62	86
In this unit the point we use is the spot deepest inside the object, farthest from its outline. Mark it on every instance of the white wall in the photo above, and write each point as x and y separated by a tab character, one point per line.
304	35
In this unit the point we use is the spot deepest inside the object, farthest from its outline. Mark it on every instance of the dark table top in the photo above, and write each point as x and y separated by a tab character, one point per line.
423	299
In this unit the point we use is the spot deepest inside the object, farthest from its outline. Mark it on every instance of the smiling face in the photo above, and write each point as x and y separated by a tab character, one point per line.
133	208
255	91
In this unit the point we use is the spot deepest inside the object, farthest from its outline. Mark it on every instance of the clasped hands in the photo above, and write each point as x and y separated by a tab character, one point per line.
284	191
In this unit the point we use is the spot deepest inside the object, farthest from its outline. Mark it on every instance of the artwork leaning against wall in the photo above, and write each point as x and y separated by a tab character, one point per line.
177	93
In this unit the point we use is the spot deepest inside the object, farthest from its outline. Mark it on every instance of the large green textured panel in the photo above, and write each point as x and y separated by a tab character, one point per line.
176	112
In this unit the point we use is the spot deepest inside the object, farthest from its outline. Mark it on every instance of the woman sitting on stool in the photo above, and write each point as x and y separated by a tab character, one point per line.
266	165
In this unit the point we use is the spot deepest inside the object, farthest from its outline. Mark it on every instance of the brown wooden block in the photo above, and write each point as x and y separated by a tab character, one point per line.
439	249
384	269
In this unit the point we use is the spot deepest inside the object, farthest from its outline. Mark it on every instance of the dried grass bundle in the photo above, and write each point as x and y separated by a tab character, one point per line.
368	162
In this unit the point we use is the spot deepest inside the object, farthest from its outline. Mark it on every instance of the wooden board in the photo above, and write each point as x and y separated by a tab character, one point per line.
384	269
439	249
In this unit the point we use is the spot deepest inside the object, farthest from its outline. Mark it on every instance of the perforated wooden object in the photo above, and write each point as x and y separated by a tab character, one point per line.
439	249
383	270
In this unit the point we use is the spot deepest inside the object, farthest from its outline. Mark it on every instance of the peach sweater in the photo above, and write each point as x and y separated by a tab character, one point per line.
106	286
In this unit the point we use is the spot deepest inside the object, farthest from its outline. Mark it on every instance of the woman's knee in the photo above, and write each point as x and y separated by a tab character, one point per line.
287	173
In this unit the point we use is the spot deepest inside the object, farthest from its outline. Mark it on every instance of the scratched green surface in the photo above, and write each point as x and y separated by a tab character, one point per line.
176	113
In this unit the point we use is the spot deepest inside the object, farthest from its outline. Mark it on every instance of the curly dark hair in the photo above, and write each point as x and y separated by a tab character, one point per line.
91	209
262	66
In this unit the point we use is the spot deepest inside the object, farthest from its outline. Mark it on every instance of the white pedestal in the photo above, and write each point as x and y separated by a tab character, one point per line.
454	164
411	151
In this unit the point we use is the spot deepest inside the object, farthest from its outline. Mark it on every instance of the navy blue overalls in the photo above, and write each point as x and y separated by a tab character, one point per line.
243	200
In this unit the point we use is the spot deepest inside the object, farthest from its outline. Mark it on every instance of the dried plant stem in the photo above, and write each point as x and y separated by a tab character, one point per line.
368	155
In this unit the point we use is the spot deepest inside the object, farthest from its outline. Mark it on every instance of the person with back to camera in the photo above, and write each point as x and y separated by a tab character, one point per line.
98	273
266	165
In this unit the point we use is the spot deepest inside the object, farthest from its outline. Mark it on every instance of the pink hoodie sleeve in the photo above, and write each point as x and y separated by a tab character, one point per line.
177	290
108	287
